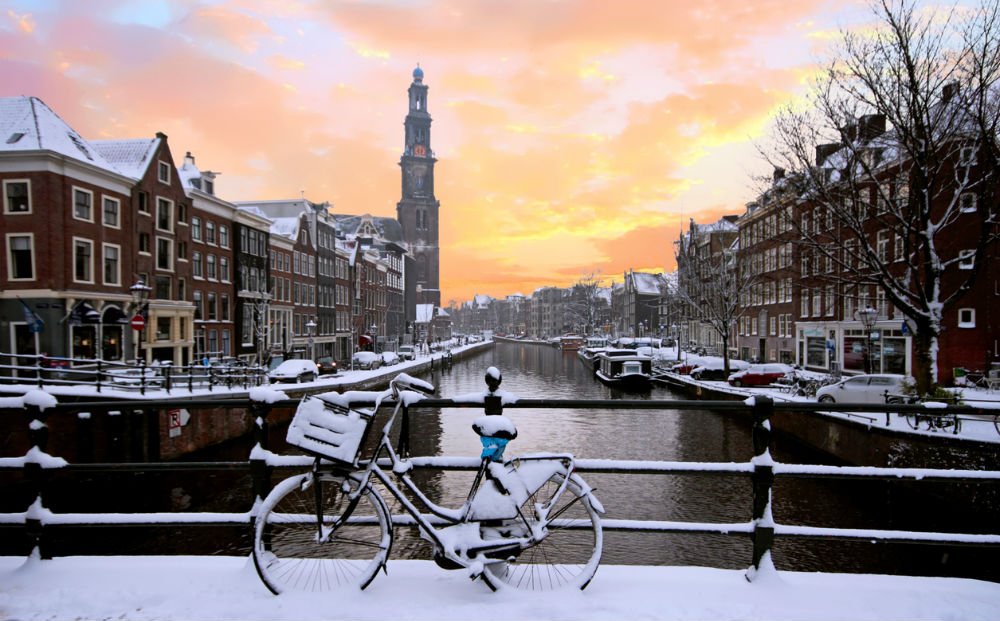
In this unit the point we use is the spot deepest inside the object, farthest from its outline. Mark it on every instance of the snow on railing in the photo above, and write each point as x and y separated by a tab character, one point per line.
761	469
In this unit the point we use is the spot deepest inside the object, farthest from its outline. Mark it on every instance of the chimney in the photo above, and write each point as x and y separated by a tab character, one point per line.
848	133
778	174
949	92
188	159
871	126
824	151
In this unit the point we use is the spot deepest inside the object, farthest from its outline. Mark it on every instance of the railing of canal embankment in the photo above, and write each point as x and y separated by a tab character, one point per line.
36	465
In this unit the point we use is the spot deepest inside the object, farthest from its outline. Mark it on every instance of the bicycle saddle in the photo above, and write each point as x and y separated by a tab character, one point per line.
495	427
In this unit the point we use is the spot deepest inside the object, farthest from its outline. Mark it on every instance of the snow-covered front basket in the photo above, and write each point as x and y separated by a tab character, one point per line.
329	430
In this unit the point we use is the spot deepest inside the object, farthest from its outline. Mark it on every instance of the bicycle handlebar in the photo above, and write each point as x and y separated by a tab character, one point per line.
408	382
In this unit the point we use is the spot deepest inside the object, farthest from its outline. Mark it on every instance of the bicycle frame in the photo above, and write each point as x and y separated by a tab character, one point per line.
488	473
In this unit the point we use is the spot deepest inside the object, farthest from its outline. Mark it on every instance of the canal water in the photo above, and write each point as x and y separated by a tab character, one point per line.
539	371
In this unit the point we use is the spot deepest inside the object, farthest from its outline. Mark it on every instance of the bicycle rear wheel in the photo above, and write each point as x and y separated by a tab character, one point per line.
567	557
291	554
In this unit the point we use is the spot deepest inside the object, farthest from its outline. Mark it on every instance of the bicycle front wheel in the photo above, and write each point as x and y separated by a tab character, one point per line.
568	555
309	537
913	420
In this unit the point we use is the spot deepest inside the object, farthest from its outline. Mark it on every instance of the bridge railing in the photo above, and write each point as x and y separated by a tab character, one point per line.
36	464
135	376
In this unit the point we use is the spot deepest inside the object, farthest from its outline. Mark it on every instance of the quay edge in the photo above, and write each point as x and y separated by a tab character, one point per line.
864	441
144	434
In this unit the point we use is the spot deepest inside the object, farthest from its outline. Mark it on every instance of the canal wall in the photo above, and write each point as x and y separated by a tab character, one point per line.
860	439
135	433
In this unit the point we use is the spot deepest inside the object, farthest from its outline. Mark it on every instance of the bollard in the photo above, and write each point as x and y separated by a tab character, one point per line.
762	480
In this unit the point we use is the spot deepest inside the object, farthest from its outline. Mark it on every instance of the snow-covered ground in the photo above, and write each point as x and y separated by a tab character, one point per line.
972	428
343	378
210	588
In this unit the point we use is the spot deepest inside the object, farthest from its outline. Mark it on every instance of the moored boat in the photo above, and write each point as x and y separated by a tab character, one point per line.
570	342
625	369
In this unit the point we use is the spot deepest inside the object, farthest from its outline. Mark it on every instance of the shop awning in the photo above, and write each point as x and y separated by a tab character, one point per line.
113	314
83	313
364	339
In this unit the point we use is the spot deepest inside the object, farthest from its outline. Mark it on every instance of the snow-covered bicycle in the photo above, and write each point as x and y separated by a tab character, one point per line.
528	523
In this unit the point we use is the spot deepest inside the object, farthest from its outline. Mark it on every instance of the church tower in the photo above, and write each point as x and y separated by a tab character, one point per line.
417	211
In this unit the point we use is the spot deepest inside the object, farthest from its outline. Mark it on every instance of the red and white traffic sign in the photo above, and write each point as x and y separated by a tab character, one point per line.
138	323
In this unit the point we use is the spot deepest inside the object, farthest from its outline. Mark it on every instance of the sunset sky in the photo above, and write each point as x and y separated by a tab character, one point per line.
572	137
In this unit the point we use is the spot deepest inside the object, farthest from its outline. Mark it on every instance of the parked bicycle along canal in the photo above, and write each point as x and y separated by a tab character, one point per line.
539	371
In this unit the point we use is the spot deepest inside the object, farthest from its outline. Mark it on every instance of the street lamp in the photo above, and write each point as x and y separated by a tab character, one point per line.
311	328
140	295
867	316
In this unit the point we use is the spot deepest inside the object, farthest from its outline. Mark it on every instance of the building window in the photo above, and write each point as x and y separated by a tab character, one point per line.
212	307
112	264
223	235
181	251
225	343
198	306
21	257
967	156
163	172
164	253
210	267
144	243
966	318
196	228
224	269
882	246
196	264
224	307
83	203
83	260
162	287
163	328
967	202
209	232
112	212
165	215
143	202
17	196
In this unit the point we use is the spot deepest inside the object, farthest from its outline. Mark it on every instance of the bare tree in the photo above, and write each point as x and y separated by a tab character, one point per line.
713	288
583	306
903	124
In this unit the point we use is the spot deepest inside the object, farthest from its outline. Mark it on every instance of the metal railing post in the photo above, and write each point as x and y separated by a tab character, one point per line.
762	480
34	475
259	470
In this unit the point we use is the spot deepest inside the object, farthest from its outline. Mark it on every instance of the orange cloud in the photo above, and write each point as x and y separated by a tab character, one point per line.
571	136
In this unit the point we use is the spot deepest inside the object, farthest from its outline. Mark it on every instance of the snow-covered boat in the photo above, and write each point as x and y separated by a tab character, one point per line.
625	369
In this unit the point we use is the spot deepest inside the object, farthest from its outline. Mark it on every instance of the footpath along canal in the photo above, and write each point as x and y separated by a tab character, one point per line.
539	371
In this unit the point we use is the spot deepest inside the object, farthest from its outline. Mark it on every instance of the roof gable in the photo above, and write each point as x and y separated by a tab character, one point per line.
27	124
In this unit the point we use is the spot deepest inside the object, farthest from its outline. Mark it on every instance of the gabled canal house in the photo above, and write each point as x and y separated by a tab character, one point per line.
836	321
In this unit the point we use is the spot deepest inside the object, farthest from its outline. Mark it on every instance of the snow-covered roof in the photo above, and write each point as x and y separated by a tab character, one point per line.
481	301
286	227
131	156
251	209
387	229
425	312
646	284
27	124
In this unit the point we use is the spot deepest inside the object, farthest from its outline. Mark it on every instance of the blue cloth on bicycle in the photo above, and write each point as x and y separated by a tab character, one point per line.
493	447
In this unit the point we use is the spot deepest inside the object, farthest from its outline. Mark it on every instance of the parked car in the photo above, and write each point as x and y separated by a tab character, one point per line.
864	389
294	371
406	352
367	360
326	365
760	374
389	358
712	369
